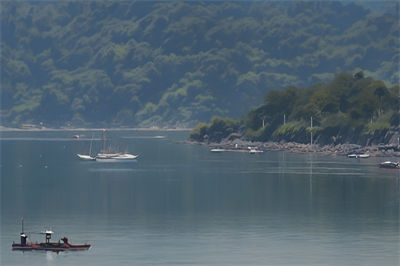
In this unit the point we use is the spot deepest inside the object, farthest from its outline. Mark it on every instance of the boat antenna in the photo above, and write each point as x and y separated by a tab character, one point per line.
22	224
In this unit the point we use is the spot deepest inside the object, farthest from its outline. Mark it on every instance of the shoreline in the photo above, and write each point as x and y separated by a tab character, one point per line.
339	149
10	129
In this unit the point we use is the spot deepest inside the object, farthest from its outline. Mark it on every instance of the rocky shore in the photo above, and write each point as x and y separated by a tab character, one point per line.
239	145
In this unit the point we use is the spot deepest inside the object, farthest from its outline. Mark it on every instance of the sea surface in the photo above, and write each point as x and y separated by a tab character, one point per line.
181	204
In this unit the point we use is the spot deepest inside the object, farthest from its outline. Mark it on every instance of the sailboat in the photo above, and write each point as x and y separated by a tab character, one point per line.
87	157
110	155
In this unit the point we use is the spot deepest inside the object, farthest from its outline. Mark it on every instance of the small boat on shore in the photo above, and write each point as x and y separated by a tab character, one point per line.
26	245
390	164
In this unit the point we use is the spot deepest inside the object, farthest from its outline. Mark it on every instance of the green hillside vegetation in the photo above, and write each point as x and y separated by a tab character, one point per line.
350	108
148	63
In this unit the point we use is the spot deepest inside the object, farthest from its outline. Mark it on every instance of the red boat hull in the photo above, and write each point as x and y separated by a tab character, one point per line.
56	247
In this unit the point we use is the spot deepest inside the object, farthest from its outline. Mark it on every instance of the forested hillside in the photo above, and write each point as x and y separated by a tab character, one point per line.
123	63
351	108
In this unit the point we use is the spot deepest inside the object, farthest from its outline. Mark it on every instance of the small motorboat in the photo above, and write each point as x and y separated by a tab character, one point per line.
358	155
26	245
254	150
390	164
217	150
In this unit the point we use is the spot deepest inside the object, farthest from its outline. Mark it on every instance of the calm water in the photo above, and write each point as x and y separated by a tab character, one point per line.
183	205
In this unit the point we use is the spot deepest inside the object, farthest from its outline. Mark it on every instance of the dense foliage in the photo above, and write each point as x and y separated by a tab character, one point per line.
178	63
218	129
351	108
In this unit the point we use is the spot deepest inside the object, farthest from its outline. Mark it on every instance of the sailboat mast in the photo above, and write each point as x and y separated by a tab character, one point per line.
90	148
104	140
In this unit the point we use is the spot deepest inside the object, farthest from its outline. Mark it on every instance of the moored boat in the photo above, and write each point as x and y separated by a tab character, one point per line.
217	150
86	157
111	155
390	164
126	156
358	155
254	150
89	156
115	156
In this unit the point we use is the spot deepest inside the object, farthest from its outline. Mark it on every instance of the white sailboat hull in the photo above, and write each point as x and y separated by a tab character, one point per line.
115	156
86	157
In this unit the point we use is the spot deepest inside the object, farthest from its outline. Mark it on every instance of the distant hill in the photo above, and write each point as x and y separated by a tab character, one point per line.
145	63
